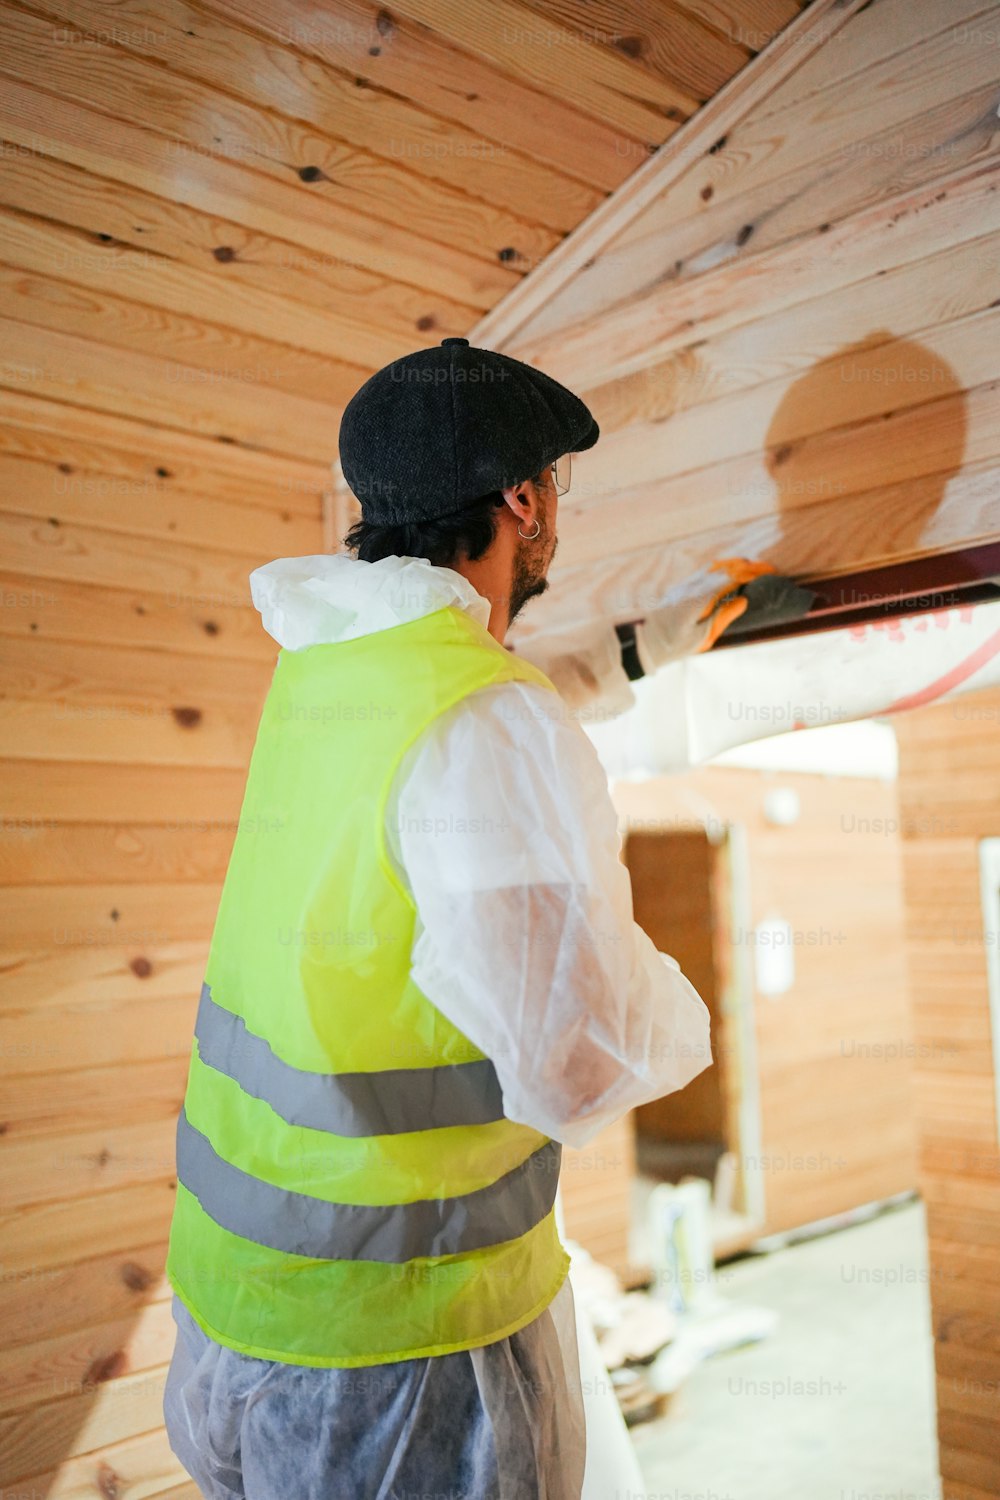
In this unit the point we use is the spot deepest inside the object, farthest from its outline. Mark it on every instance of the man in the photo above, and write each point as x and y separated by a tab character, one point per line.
424	978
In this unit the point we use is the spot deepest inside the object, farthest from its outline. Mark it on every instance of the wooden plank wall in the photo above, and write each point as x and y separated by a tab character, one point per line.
216	220
595	1185
950	797
133	668
793	351
834	1053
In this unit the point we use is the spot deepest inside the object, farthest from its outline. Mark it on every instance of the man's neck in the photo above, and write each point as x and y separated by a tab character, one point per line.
490	576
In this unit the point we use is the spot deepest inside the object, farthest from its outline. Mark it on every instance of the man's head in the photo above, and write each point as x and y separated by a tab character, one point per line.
457	454
510	533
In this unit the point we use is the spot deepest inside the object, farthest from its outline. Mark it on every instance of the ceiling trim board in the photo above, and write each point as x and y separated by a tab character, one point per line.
810	30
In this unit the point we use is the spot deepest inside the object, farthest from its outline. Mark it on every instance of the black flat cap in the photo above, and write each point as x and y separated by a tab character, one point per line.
436	429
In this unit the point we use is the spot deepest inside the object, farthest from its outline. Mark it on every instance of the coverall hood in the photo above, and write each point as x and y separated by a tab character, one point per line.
328	597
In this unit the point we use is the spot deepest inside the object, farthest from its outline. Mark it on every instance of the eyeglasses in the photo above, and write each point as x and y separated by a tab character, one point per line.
561	472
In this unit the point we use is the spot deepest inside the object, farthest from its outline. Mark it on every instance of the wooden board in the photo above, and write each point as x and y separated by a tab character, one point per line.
959	206
403	60
948	771
799	160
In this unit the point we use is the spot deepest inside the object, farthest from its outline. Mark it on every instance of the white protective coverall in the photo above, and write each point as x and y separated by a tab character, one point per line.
499	819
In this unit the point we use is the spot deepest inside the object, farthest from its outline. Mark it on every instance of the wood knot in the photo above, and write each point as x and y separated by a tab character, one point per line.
109	1483
187	718
136	1277
141	967
107	1367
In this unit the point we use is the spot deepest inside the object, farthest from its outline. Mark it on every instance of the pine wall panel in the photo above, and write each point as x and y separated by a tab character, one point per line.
949	780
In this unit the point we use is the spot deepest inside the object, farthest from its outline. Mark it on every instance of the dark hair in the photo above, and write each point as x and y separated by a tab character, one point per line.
468	532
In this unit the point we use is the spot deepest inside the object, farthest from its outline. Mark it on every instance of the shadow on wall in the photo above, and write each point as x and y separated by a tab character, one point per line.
883	414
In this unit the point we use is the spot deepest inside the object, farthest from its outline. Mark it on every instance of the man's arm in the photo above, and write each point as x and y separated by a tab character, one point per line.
501	824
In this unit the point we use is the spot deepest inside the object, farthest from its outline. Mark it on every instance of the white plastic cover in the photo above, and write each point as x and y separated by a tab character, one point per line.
506	832
505	1420
695	708
586	667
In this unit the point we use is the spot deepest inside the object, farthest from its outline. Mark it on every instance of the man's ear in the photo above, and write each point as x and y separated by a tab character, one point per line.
520	498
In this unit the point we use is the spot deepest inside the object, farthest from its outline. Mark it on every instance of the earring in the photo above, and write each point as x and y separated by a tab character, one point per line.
536	531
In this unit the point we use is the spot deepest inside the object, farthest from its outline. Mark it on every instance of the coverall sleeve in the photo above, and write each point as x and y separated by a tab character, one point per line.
501	824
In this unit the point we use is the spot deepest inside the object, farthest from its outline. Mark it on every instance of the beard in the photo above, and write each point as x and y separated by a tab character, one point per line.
531	564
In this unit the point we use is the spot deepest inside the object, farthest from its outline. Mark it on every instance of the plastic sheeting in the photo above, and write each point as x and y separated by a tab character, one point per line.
502	1422
502	824
695	708
586	666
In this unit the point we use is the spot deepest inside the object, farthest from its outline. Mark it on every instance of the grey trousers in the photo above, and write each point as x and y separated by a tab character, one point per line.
504	1422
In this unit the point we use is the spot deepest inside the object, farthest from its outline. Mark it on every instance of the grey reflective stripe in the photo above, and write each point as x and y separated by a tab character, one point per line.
303	1225
387	1102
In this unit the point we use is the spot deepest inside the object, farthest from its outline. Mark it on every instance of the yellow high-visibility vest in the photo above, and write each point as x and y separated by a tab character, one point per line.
348	1189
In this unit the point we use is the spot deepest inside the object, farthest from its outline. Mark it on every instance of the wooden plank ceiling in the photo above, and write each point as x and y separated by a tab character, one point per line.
219	219
786	321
